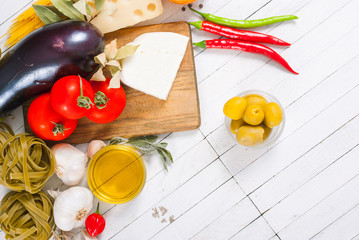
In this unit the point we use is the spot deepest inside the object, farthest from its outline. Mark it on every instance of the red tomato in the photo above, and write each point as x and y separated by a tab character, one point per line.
67	98
46	123
109	104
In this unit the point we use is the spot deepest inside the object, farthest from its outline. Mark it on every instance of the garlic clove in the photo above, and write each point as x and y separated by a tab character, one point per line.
87	235
94	146
70	163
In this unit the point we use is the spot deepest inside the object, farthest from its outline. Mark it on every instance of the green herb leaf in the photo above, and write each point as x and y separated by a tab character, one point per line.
125	51
163	158
118	140
149	138
147	149
161	145
46	15
168	154
147	145
66	7
99	4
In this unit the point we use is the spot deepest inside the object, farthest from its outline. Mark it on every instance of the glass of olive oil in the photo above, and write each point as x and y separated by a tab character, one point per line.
116	174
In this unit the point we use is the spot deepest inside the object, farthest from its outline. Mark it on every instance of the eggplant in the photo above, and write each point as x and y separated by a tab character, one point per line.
47	54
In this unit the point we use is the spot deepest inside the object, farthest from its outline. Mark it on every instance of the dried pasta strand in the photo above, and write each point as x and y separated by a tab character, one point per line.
24	24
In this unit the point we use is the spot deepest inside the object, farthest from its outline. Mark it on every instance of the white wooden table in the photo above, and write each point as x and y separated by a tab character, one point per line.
305	186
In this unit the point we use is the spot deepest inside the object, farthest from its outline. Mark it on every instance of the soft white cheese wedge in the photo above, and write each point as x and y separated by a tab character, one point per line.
117	14
153	67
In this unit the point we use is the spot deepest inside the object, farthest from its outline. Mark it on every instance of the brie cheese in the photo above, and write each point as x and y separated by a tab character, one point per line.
153	67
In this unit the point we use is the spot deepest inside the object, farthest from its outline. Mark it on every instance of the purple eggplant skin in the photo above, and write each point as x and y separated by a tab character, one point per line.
49	53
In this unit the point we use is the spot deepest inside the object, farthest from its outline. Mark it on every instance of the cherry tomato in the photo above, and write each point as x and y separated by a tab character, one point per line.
109	102
46	123
72	97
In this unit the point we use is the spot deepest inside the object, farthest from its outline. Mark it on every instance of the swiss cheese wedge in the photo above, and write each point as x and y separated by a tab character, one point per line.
153	67
117	14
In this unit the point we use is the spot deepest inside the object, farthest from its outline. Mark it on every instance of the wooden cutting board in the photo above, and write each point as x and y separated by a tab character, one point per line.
144	114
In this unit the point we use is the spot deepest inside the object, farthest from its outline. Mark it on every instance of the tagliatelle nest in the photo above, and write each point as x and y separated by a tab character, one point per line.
27	216
26	163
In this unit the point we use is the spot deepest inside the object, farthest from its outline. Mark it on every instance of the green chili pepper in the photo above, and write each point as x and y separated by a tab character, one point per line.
244	23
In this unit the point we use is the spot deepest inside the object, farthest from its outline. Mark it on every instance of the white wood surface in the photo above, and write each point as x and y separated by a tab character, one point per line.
304	186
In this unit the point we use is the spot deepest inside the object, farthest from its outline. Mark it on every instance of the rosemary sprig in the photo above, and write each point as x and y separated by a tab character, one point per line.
147	145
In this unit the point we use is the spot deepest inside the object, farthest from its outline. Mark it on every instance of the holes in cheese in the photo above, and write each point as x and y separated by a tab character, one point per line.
151	7
153	67
138	13
126	13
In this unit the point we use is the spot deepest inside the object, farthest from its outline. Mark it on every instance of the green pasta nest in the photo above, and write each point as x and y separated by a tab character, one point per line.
27	216
26	163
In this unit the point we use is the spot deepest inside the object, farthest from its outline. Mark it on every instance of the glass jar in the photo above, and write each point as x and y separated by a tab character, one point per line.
275	132
116	174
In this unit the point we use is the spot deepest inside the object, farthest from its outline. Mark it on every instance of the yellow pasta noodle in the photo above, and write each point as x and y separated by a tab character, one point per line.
24	24
27	216
26	163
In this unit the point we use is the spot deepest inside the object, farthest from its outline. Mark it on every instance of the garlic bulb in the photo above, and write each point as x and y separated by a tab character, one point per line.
70	163
94	146
71	207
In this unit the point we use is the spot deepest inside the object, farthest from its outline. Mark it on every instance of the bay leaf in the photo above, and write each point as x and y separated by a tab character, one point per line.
115	81
98	76
81	7
125	51
66	7
101	59
111	50
46	15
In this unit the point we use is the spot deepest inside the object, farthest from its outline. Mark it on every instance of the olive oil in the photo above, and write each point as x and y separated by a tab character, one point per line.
116	174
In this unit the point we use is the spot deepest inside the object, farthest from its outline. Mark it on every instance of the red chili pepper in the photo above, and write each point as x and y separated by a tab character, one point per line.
246	47
95	223
237	34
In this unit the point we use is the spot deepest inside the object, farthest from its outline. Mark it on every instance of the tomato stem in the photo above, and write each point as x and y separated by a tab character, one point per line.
59	128
101	100
83	101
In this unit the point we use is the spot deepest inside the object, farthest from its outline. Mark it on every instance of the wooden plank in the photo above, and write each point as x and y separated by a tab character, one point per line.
318	70
346	227
283	216
257	230
197	217
249	71
144	114
327	211
289	151
231	222
330	150
177	203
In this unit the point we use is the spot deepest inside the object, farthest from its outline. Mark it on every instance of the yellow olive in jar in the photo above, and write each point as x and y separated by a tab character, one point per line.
267	131
253	114
273	115
235	124
250	135
255	99
234	108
